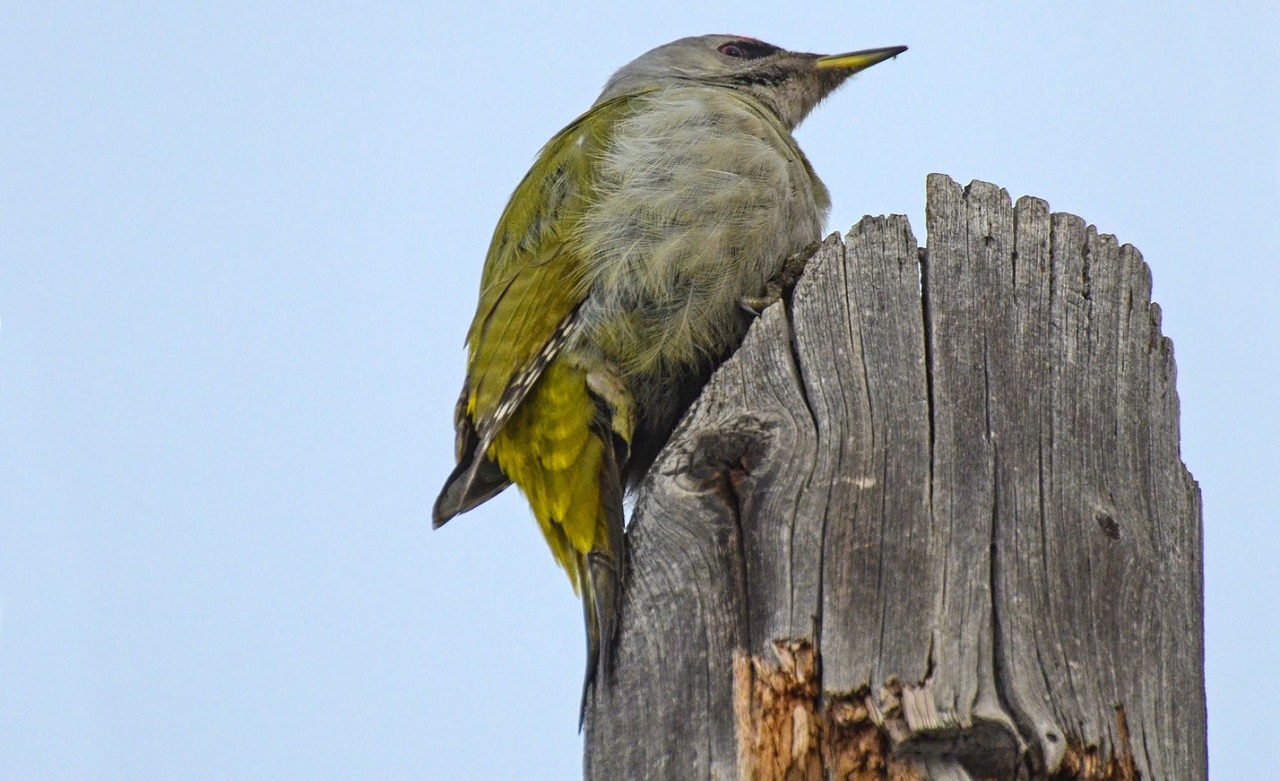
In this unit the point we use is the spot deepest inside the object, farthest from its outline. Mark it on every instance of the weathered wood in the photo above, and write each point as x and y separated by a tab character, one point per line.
930	521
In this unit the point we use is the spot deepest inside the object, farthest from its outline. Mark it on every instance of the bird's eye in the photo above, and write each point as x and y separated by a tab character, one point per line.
747	49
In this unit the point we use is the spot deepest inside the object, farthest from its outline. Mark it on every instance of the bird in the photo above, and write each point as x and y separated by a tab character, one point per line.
626	266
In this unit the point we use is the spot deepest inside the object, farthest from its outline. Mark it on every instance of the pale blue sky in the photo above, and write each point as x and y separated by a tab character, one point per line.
239	247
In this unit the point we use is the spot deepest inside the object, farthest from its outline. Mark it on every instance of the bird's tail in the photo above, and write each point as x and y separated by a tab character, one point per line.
565	447
600	577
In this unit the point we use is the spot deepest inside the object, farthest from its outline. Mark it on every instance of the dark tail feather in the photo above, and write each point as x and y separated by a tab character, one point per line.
475	480
602	588
592	620
602	580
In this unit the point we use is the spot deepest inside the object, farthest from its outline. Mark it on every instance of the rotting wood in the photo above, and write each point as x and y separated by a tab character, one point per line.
930	521
1086	763
855	746
786	731
775	707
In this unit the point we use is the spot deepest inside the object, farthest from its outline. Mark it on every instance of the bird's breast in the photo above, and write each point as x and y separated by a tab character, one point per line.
699	198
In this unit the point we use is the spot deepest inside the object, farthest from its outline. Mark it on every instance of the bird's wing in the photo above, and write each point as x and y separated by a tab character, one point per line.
533	281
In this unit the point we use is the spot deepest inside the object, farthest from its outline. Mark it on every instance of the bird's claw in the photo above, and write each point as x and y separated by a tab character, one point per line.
781	283
754	305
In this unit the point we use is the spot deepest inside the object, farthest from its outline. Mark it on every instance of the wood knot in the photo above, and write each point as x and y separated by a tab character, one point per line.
1108	524
720	459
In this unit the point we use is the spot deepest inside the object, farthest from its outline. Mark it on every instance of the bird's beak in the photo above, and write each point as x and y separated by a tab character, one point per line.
815	76
857	61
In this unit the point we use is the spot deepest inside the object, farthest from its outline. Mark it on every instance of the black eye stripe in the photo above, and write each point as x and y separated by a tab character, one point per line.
747	49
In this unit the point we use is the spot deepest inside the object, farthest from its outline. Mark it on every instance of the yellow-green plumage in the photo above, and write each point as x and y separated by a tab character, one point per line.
555	442
550	451
614	282
534	275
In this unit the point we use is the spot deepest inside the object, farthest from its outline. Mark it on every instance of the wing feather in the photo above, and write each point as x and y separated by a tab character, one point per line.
533	282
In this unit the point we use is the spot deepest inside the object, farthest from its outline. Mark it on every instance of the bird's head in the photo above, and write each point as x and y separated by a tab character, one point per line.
790	83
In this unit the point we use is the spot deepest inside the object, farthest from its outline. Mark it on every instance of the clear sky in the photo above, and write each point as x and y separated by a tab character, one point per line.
239	249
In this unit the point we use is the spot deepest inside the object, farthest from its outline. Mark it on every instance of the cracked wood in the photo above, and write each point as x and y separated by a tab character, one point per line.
954	475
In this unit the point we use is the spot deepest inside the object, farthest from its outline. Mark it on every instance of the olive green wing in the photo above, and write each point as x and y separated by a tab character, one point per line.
533	282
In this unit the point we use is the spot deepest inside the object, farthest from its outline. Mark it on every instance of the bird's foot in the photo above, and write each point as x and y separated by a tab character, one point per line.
782	282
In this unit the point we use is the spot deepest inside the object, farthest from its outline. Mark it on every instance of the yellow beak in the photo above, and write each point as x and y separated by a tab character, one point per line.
856	61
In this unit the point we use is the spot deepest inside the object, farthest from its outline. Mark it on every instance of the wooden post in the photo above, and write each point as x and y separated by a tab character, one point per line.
929	522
